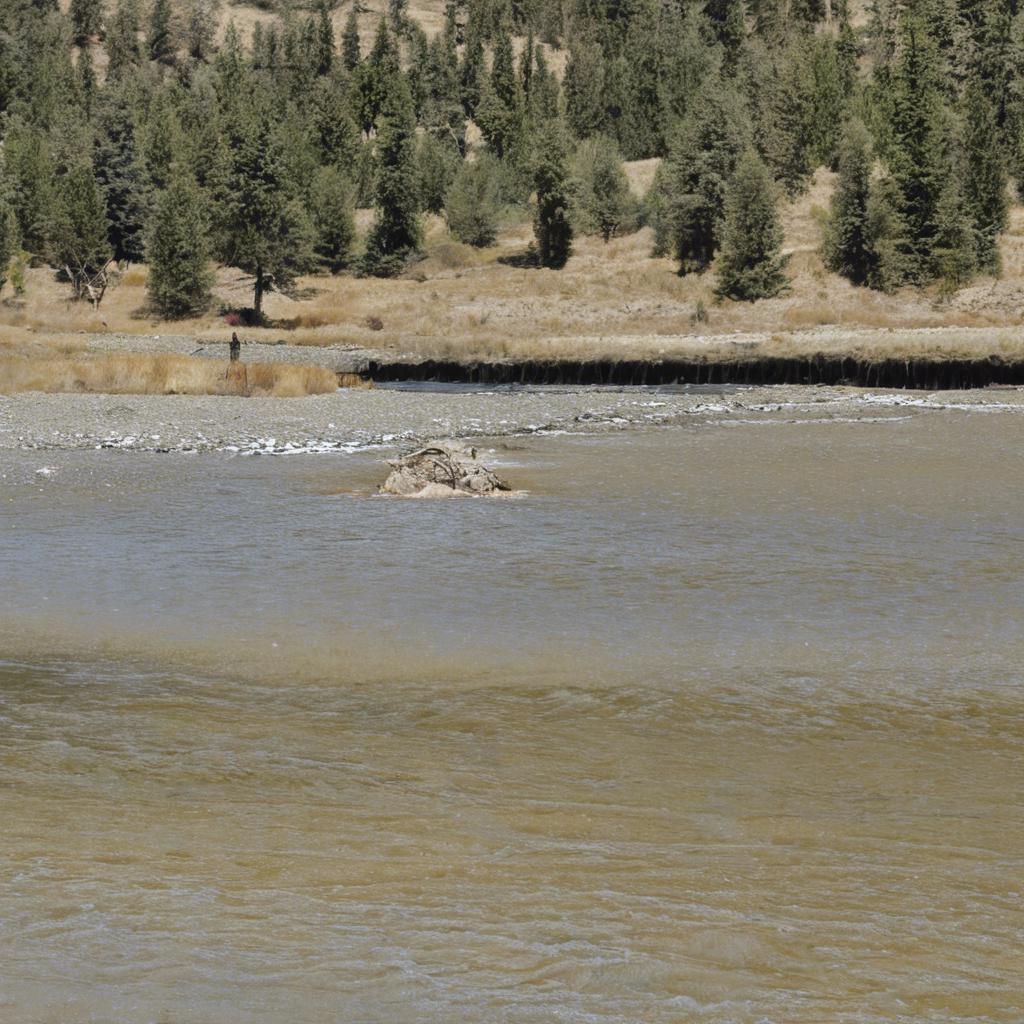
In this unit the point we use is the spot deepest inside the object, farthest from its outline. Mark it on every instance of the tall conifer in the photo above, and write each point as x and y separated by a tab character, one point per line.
751	265
395	235
552	227
177	250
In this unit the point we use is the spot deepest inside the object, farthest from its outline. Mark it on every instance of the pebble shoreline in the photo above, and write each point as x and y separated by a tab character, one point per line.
350	420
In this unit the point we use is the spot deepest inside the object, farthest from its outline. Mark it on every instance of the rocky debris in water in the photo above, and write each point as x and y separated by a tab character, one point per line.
441	469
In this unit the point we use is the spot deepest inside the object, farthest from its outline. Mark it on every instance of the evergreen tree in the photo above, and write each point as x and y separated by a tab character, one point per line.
260	224
436	164
364	176
29	173
884	229
378	77
86	19
334	131
350	52
918	150
123	49
954	254
79	243
473	206
88	87
602	202
728	22
471	69
751	265
177	250
985	176
201	27
160	141
552	227
331	210
159	43
544	92
443	116
395	235
584	87
499	113
642	129
696	175
848	244
324	40
121	175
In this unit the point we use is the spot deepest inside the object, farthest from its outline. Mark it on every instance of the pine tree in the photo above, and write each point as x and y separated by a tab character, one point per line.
848	245
350	52
473	206
159	43
260	224
544	92
471	69
88	87
29	173
436	164
696	174
324	40
86	19
79	243
121	175
642	129
500	110
728	22
552	227
177	250
602	202
334	130
751	265
201	27
331	210
583	85
443	116
160	142
985	176
918	149
885	228
123	49
955	247
377	77
395	235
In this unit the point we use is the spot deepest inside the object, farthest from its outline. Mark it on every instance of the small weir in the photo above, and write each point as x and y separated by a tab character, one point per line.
915	374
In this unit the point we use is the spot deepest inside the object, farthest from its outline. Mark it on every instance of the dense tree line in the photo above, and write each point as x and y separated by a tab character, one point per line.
129	136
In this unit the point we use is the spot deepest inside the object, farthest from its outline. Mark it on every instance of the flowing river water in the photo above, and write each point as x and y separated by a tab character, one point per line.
722	721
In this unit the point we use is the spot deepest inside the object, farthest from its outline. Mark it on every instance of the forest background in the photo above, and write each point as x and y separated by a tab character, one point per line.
494	174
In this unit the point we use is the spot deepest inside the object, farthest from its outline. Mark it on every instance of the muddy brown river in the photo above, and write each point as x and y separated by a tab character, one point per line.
723	722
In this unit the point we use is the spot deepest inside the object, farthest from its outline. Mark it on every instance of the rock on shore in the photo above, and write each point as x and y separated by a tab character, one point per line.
441	469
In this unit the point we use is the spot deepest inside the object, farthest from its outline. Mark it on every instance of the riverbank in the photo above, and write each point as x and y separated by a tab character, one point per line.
352	419
932	358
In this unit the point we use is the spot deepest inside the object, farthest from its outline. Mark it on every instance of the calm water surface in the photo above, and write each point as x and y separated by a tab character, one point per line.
721	723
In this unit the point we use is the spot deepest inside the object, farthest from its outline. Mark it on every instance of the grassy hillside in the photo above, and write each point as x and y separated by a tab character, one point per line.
609	299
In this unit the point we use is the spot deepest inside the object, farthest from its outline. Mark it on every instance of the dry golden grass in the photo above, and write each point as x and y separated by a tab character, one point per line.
133	373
